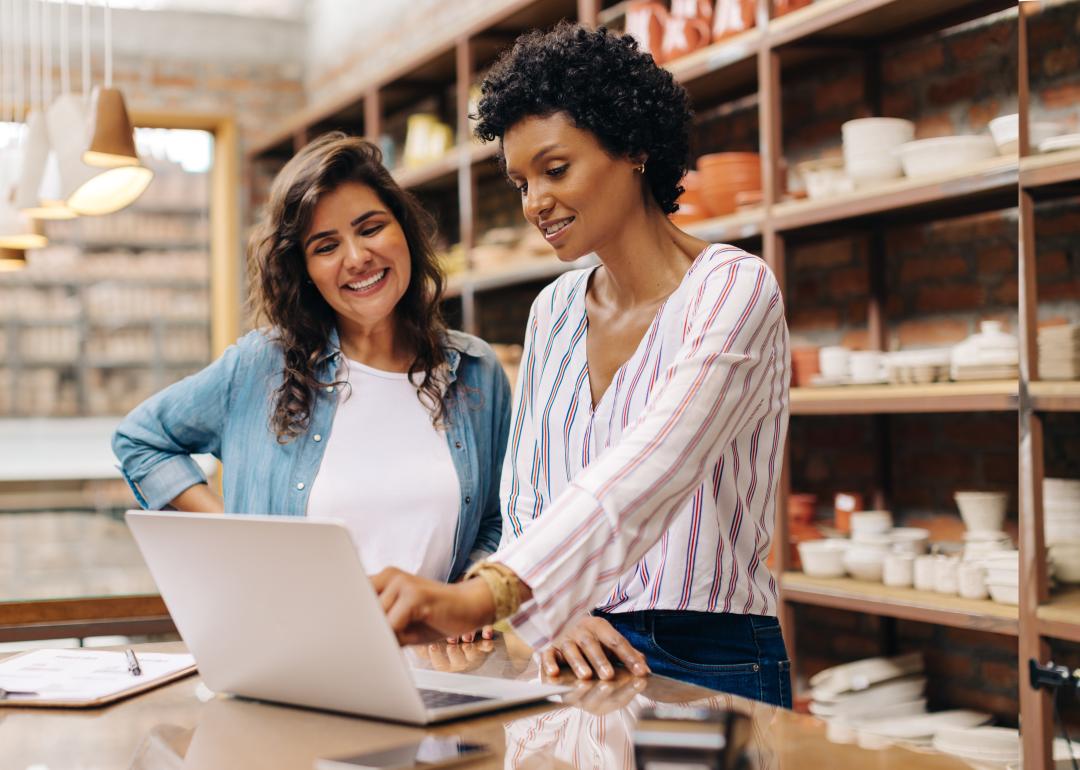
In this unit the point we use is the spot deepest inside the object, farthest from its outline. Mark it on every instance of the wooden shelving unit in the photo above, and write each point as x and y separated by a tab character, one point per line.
750	68
902	603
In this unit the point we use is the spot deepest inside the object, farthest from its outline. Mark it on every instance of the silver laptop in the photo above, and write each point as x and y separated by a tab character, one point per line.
280	609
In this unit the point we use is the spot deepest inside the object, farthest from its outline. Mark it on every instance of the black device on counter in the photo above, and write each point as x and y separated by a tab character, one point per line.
670	736
428	754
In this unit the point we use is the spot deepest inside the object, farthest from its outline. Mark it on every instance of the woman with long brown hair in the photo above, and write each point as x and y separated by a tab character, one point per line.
355	402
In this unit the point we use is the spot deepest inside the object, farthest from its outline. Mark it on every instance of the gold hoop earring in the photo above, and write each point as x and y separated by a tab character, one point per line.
641	168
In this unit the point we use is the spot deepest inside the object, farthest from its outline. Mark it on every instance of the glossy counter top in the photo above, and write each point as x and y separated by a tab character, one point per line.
184	725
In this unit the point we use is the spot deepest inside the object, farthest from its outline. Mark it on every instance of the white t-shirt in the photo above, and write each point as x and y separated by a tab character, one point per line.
388	475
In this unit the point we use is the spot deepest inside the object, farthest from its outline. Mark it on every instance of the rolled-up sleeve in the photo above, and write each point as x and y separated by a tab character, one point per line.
721	379
154	443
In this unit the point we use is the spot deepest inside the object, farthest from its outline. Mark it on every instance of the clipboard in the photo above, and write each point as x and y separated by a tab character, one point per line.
81	678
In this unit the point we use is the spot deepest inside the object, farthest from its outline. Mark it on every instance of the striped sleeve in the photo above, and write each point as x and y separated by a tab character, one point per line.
522	501
622	504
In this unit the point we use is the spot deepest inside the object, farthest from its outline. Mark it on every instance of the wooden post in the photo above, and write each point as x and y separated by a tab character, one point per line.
373	115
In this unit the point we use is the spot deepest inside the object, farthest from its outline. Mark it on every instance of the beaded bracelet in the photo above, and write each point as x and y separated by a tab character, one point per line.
503	584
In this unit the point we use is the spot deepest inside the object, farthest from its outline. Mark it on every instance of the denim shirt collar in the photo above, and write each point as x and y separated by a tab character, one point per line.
454	345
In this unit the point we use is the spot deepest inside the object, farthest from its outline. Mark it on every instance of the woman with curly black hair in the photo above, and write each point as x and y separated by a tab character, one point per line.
649	420
355	402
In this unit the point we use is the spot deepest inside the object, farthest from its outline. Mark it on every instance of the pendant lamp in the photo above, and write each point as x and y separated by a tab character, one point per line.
66	118
12	259
16	231
112	147
35	155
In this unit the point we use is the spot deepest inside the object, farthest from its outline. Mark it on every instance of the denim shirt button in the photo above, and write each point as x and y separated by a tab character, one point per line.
300	486
329	388
457	444
468	500
316	437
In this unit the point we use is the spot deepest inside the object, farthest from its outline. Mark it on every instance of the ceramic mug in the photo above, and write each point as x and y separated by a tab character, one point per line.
924	572
899	570
972	580
645	22
946	574
865	366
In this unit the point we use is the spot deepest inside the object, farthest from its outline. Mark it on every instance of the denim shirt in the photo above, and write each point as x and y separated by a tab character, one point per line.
225	410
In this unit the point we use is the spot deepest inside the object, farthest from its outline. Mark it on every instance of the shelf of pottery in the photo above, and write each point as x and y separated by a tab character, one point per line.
113	309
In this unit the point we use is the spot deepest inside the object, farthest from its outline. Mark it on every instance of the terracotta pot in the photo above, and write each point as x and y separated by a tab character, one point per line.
691	206
804	365
681	36
732	17
645	22
800	507
780	7
726	174
693	9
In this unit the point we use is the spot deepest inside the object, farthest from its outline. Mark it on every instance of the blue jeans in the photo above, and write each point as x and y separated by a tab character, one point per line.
740	654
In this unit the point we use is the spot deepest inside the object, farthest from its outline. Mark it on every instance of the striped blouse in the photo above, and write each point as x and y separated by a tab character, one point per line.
663	496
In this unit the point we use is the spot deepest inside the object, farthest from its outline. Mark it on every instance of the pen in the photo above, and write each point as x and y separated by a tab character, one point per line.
133	662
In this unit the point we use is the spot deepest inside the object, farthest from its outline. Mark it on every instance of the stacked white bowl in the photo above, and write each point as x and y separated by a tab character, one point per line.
1061	526
990	562
869	145
927	157
1059	352
990	354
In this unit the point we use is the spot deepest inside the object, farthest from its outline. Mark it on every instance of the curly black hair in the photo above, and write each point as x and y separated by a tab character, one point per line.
607	86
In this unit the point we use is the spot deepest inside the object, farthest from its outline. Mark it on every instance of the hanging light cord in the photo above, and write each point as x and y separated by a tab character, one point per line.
108	45
46	56
35	60
86	47
65	70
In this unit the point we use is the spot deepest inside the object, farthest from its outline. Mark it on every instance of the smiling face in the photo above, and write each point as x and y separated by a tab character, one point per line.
357	257
572	189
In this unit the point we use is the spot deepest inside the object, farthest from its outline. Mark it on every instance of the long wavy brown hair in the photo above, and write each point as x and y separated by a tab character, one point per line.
302	320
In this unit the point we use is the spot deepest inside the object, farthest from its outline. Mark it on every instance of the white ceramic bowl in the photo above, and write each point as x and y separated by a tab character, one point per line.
913	540
864	562
1006	132
982	511
833	361
871	522
898	570
866	135
1004	594
866	170
823	558
942	154
1066	557
825	178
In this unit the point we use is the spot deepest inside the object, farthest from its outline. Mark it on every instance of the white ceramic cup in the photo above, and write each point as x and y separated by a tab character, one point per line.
833	361
899	570
865	366
946	577
924	569
971	578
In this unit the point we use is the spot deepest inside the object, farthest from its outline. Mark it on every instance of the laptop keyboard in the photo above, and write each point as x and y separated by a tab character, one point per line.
436	699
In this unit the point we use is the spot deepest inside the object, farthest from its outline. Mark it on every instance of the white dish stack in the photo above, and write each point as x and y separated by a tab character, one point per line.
869	145
990	354
1061	527
870	689
991	564
1059	352
996	748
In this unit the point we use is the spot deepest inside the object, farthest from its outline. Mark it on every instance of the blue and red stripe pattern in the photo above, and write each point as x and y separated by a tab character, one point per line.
661	495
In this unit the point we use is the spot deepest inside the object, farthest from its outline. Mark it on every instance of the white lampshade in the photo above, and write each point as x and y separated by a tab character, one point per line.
50	197
111	190
68	132
17	232
35	154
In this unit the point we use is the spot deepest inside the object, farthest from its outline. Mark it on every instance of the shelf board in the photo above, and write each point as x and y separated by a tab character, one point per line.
158	282
1050	171
1055	395
982	186
999	396
440	173
1059	618
902	603
853	21
735	227
513	274
722	70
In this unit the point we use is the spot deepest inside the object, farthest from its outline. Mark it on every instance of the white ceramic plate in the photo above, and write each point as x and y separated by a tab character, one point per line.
925	726
1063	142
861	674
883	694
